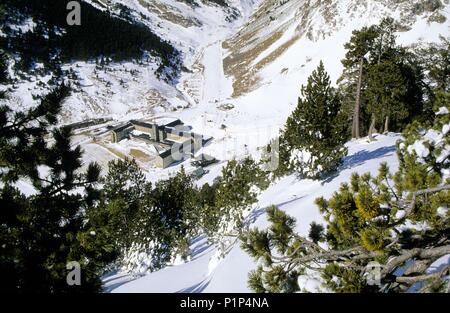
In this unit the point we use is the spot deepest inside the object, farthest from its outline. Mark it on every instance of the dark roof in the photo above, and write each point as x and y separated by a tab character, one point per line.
88	122
121	127
165	153
174	131
174	123
182	133
141	123
168	152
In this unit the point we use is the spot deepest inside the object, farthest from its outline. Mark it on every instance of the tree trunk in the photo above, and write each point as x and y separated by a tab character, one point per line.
386	124
355	125
372	128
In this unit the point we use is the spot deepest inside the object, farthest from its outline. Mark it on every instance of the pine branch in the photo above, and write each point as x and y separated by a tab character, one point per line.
412	206
419	278
421	253
356	253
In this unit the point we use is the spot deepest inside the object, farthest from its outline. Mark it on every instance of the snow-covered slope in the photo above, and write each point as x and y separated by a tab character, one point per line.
208	273
241	90
131	89
242	122
243	65
252	54
247	53
282	37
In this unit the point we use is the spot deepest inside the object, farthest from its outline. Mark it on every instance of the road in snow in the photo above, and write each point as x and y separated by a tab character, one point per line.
215	85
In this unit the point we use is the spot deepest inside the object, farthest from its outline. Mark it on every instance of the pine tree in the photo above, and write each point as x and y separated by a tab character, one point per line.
385	46
314	135
405	84
124	189
261	245
369	220
316	232
173	201
359	49
235	191
436	58
386	93
41	232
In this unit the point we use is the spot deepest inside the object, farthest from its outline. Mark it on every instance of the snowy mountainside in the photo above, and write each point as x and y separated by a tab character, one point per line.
257	74
133	88
243	53
279	29
254	116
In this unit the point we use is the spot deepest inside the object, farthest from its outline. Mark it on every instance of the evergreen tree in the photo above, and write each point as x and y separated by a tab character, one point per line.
316	232
386	93
396	90
396	99
436	59
209	212
174	203
148	227
314	135
43	231
385	46
370	219
124	189
359	50
127	39
271	276
235	191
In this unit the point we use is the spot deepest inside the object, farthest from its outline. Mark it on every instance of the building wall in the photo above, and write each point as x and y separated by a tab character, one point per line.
197	142
163	162
174	137
143	129
162	135
117	136
113	136
152	130
186	140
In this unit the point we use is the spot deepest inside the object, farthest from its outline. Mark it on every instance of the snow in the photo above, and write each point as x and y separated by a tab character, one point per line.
216	85
173	278
27	26
400	214
445	129
419	148
442	211
433	136
442	111
126	90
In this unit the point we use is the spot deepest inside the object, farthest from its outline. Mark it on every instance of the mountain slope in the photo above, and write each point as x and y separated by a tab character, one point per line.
206	272
276	28
242	123
260	79
242	63
102	60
